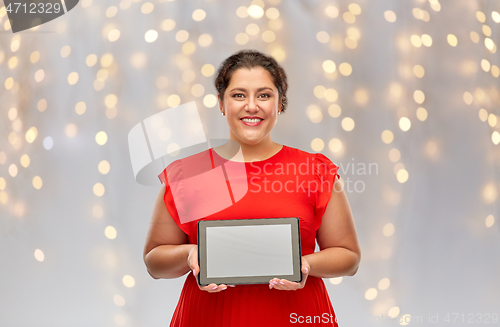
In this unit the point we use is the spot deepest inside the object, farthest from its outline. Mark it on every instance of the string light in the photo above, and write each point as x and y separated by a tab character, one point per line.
332	11
242	12
114	35
317	144
39	76
151	36
314	113
110	232
371	293
331	95
73	78
168	25
39	255
452	40
138	60
489	221
361	97
128	281
111	12
345	69
207	70
394	155
209	100
101	138
268	36
402	175
329	66
37	182
119	300
98	189
387	136
255	11
120	320
335	145
336	280
347	124
390	16
272	13
495	16
242	38
334	110
204	40
199	15
147	8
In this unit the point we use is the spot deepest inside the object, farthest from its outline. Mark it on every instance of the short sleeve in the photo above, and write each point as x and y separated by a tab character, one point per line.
171	173
163	176
325	173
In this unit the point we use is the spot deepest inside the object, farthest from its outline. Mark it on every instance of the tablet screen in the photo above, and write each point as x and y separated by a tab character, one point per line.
238	251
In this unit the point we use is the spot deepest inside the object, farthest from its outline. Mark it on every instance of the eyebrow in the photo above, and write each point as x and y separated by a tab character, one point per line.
258	90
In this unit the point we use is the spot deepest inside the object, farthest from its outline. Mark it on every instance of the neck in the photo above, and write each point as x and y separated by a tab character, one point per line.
260	151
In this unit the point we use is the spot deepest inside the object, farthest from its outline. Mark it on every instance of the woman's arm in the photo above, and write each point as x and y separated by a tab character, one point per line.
166	249
167	253
337	239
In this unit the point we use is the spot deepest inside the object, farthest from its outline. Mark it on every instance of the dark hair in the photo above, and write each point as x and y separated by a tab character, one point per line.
250	59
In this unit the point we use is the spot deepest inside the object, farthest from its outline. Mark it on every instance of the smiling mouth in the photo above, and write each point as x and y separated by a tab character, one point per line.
251	120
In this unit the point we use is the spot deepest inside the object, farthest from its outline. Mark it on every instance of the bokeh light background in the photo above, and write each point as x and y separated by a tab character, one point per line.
410	87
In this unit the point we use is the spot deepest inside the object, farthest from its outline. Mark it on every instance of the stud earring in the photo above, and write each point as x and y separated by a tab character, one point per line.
222	113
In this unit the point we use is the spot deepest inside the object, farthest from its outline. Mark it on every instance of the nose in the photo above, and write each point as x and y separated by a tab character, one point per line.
252	105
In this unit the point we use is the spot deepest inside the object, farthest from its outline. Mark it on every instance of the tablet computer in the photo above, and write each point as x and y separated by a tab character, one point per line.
249	251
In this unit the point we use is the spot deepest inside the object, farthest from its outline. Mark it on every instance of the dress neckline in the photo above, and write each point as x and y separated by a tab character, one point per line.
255	161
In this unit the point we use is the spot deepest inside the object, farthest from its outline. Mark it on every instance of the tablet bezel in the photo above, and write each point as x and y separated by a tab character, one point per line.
294	222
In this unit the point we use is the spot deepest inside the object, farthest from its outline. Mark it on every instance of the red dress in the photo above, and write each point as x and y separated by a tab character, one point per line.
291	183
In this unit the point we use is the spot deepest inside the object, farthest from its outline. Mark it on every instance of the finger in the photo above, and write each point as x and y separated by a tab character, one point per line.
193	264
208	287
214	288
304	277
286	285
218	288
305	271
273	282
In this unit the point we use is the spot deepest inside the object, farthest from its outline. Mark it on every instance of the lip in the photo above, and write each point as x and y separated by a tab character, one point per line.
251	124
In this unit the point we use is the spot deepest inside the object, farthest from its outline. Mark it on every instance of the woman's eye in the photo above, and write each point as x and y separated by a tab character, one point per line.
266	95
237	95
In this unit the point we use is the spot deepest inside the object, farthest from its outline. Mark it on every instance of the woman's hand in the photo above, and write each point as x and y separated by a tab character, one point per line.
286	285
195	268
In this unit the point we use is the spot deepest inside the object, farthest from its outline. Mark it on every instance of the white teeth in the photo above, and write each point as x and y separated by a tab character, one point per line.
256	120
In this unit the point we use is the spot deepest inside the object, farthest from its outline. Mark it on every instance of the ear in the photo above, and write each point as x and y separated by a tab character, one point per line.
221	105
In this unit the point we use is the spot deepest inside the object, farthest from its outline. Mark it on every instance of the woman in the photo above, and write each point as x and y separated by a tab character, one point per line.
252	93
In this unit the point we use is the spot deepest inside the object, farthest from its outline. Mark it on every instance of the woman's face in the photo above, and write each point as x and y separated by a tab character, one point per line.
250	93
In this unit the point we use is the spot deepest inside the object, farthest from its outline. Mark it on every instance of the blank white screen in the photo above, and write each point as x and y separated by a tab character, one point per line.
260	250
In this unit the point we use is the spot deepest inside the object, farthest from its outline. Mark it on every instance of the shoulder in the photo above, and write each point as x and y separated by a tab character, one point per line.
298	153
194	163
311	156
